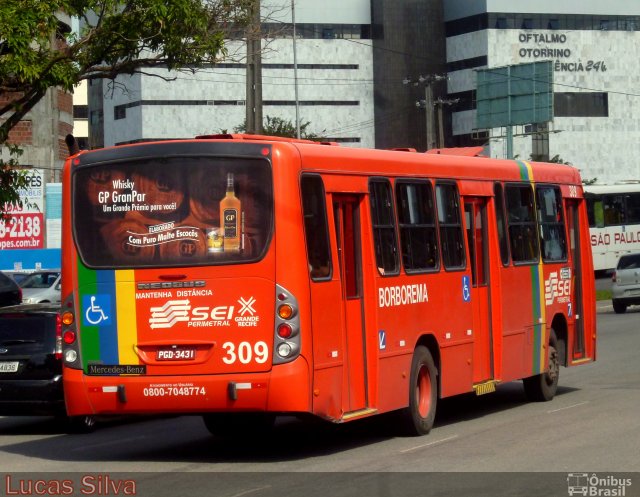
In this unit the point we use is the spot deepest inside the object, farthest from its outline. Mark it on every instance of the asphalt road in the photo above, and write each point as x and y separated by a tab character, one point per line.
496	444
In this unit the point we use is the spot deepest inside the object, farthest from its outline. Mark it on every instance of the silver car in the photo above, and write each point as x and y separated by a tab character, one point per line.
41	286
625	287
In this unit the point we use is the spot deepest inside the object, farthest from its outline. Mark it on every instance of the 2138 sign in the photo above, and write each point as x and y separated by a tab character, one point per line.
22	231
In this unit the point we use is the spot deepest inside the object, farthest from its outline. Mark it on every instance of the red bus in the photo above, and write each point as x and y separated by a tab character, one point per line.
240	277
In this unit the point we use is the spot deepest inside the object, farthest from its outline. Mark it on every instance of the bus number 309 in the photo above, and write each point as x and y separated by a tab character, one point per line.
245	352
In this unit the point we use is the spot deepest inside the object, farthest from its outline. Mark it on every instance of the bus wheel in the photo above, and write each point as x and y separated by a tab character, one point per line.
542	387
619	307
418	418
239	424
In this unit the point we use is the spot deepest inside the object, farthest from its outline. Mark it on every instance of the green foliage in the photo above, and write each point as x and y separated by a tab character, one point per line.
589	181
277	126
37	51
118	37
11	181
556	159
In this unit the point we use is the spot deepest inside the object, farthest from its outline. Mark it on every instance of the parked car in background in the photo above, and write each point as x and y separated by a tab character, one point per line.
10	292
31	364
41	286
18	276
625	283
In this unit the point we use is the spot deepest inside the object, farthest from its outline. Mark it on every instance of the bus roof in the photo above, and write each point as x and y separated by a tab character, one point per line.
623	187
462	162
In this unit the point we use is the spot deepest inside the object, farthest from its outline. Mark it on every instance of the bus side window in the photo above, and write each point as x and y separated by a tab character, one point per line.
633	208
501	224
551	220
383	224
416	220
315	227
598	214
523	233
614	210
450	223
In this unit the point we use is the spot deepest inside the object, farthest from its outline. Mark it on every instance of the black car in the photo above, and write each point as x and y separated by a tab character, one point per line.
31	364
10	292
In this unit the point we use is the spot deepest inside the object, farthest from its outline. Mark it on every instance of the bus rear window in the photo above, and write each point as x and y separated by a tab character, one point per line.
175	211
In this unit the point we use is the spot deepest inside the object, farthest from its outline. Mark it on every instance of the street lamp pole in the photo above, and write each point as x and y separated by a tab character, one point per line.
295	68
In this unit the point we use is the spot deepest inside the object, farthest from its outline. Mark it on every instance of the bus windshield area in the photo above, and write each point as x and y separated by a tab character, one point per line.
172	211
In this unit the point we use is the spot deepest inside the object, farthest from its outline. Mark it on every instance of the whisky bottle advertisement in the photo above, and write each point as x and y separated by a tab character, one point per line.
230	209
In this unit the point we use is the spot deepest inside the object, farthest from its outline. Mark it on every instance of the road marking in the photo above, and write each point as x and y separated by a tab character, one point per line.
251	491
569	407
428	444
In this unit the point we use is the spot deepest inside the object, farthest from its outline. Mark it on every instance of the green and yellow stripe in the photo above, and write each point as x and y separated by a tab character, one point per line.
127	318
112	342
537	292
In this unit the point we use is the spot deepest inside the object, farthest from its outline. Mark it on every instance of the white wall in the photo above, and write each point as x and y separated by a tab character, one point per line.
602	147
455	9
319	12
186	121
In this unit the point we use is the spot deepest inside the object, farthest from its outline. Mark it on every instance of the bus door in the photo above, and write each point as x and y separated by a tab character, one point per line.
346	215
475	209
575	261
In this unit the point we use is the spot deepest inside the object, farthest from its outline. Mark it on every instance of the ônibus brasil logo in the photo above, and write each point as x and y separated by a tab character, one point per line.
176	311
597	486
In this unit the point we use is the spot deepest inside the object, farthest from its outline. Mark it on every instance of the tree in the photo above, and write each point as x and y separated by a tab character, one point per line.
277	126
118	37
12	180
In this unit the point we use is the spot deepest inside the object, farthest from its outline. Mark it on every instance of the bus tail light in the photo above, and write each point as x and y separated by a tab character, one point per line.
70	355
58	352
285	311
284	330
286	346
70	350
287	349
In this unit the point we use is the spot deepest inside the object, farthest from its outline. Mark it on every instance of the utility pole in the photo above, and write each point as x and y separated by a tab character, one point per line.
439	103
254	71
427	103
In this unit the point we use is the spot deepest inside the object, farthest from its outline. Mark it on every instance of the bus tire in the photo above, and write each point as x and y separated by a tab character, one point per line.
419	416
542	387
239	424
619	307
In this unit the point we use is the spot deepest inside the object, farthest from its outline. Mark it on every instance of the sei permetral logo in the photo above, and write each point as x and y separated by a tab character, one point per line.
181	311
592	485
169	314
557	289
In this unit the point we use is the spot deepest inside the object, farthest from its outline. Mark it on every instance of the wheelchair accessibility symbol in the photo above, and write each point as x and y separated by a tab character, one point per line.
97	309
466	289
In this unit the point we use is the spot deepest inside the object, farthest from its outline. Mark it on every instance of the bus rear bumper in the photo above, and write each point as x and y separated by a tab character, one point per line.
286	388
